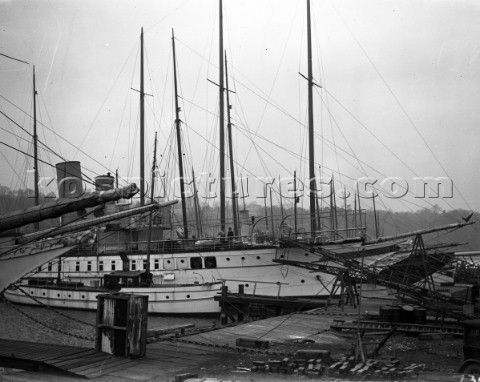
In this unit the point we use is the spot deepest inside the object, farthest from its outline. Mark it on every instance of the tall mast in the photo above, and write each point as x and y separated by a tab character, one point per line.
230	149
281	196
375	217
345	209
197	208
179	145
271	213
311	150
222	121
154	165
142	126
35	144
295	226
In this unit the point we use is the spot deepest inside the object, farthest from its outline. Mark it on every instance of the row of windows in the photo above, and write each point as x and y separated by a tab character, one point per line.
83	296
194	263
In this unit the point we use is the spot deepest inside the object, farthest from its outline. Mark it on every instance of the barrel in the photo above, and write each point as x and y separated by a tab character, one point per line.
396	314
407	314
420	315
385	314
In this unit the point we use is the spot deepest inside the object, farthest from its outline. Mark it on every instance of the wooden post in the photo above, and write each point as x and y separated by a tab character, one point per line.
223	306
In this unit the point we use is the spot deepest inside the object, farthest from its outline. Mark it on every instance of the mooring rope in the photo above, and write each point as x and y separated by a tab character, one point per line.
36	320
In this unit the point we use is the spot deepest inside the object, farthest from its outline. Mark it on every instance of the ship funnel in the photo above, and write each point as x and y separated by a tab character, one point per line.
69	179
104	182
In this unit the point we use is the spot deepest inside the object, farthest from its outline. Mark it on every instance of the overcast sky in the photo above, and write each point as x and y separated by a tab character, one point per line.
398	94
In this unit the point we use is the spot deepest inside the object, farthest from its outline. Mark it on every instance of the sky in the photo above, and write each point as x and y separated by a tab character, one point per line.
396	96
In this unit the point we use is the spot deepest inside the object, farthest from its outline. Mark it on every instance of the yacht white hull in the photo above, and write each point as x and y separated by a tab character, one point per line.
254	268
173	299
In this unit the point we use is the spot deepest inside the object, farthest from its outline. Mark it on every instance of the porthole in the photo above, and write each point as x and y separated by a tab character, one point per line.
31	292
167	297
228	258
58	294
83	296
302	281
243	258
247	285
188	296
282	256
306	254
69	296
168	261
258	257
182	261
43	293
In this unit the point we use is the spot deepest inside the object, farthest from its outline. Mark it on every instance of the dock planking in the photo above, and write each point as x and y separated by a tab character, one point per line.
70	360
163	359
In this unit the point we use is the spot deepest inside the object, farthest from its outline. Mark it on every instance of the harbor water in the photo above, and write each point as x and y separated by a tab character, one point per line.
68	327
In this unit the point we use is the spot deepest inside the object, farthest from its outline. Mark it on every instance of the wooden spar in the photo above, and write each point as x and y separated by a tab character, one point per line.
375	216
418	232
35	146
317	202
197	207
345	209
311	148
35	140
355	214
360	212
334	200
332	220
179	145
243	192
281	196
150	221
265	205
230	150
62	206
82	225
222	120
295	226
271	213
142	126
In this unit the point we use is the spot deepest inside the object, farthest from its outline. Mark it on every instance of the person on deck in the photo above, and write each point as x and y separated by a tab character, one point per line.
230	235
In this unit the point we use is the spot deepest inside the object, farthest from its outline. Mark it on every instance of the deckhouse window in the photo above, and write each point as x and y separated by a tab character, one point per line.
77	266
50	266
114	266
144	264
196	262
100	266
89	266
134	265
169	263
210	262
156	264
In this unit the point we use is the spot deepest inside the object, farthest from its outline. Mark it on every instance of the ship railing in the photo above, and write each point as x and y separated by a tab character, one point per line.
176	245
255	282
325	236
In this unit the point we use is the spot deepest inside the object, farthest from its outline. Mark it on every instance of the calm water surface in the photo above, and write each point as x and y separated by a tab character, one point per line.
40	324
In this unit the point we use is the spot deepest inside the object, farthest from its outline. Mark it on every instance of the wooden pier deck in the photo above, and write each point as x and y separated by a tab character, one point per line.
69	360
163	360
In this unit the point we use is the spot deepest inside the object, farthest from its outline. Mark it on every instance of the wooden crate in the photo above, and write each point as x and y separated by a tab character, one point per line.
122	324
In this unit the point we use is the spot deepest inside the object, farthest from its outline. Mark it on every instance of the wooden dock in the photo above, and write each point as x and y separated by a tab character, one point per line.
237	307
163	359
69	360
